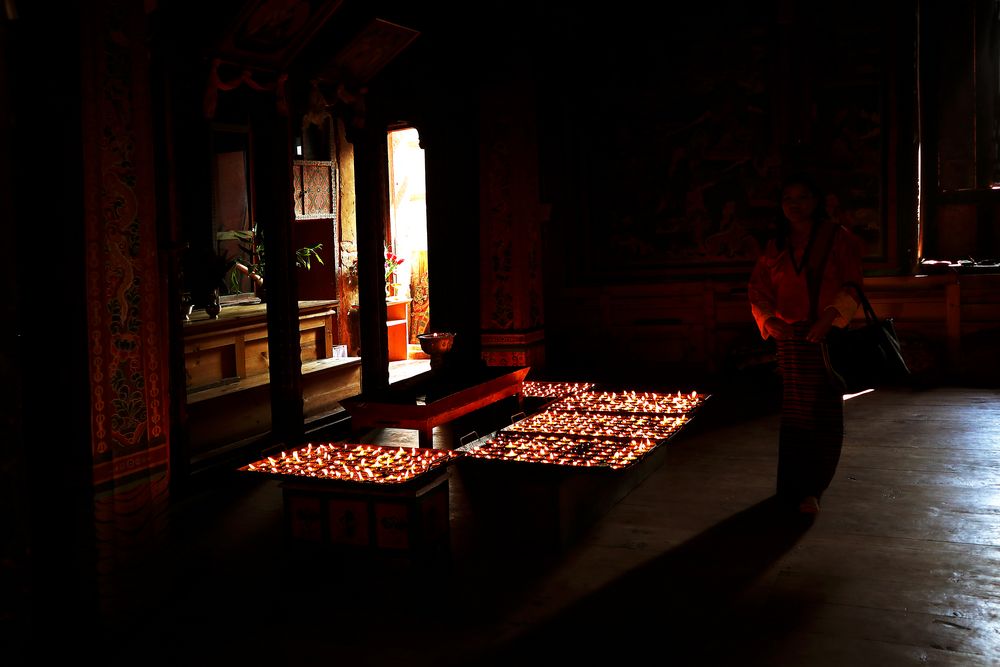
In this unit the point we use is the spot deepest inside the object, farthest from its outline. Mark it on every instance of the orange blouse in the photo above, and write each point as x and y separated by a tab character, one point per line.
776	289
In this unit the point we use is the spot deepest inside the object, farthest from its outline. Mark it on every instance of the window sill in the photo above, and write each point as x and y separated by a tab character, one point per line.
961	266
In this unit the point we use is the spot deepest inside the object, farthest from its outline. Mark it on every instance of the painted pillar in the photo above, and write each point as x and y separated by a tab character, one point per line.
126	320
511	307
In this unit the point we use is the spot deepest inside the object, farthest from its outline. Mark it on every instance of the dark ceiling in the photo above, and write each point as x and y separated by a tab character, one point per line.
351	41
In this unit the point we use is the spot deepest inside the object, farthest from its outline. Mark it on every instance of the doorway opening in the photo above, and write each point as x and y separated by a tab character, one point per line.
407	294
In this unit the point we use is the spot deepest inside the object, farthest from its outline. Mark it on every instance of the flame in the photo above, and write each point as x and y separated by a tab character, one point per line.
353	462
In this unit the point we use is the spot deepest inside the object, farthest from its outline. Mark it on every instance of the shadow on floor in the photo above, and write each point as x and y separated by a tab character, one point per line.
684	601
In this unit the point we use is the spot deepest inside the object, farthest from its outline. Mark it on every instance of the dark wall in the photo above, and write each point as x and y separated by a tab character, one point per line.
46	502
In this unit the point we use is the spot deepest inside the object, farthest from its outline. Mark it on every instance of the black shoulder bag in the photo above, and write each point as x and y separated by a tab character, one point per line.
866	356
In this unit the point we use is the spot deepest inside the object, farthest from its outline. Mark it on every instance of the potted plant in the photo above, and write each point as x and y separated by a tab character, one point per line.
252	261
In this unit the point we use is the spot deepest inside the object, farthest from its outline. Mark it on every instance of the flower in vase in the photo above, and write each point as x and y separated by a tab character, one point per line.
392	262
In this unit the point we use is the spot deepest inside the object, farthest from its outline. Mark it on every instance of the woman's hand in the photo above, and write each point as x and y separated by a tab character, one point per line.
819	330
777	328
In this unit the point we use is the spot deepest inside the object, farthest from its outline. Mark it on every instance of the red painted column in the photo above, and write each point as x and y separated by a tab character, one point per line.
125	314
511	314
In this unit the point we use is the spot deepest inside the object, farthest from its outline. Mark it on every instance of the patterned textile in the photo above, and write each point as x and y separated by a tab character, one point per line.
812	419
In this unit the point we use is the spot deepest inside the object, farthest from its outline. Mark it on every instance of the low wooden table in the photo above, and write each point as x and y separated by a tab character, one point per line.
431	399
409	520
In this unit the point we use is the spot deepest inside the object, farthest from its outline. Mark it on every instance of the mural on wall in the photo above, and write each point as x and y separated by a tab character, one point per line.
685	159
269	33
685	178
851	149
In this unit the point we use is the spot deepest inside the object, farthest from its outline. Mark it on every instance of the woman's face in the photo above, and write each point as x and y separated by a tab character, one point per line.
798	203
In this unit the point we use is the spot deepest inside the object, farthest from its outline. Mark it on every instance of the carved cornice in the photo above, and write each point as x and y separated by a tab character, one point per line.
246	77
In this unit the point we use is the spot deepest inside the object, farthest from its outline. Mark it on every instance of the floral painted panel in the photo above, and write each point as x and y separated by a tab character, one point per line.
317	189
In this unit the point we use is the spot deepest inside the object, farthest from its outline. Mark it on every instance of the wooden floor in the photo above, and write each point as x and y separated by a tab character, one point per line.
694	567
400	370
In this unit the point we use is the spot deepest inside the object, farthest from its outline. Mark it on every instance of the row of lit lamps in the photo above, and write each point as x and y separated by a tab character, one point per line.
581	429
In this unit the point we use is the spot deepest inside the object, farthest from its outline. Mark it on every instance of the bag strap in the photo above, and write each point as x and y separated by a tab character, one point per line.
870	315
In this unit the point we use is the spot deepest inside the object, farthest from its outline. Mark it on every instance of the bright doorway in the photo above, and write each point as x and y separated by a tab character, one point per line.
406	239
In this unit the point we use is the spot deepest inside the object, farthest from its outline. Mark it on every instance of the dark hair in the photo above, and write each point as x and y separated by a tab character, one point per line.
819	213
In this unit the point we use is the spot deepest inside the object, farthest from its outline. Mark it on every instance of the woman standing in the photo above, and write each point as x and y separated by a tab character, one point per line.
796	295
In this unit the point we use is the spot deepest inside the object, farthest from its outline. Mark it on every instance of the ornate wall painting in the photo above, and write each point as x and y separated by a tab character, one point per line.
698	194
682	167
693	129
371	50
270	33
850	146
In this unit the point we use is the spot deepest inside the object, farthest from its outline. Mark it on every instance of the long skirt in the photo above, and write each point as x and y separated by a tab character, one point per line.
812	419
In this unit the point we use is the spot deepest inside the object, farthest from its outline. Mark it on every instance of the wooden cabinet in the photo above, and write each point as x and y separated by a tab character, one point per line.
227	368
234	346
397	320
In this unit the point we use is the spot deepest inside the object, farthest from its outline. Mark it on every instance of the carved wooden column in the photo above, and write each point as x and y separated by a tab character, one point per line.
511	304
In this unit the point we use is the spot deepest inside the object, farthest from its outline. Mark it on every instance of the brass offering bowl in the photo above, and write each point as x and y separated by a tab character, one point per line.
436	345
